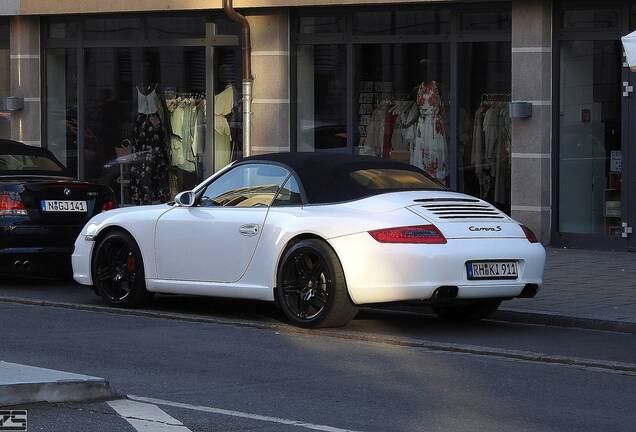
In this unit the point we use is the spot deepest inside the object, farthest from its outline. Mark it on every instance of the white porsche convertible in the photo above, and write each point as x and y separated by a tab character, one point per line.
319	234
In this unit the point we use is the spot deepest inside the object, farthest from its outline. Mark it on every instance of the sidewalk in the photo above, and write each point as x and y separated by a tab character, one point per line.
585	284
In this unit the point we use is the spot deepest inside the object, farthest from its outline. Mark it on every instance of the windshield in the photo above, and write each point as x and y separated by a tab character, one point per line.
394	179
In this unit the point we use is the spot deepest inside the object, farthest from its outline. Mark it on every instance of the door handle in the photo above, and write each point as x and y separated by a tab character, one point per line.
249	230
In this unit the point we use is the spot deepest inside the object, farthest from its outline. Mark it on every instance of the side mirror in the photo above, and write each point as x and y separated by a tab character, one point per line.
185	199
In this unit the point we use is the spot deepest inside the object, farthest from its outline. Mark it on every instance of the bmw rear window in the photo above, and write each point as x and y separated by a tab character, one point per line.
28	163
386	179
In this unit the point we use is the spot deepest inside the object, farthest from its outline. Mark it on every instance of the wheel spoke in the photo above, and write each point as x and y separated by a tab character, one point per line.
292	287
105	274
128	276
316	270
301	267
319	299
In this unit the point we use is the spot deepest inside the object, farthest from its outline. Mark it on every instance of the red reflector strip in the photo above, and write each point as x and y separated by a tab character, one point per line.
419	234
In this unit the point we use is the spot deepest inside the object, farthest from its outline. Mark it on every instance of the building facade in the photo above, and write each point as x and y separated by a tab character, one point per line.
527	104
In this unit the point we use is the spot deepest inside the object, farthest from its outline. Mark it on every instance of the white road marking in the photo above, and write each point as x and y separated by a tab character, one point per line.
240	414
145	417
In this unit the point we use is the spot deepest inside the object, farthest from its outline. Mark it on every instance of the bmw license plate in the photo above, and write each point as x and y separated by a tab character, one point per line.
492	269
63	206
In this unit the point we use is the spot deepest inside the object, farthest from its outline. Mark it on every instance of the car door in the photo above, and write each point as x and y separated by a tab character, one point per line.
214	240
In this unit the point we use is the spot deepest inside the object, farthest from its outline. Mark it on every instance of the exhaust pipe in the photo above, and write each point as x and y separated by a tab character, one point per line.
445	293
26	265
529	291
21	265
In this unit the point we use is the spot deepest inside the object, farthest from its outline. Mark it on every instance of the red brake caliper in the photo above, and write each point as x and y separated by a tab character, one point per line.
131	264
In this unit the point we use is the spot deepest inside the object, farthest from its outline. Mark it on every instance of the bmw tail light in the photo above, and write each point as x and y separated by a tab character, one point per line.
532	238
420	234
109	204
12	206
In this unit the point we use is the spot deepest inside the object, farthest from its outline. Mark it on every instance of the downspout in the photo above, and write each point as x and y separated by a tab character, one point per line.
248	79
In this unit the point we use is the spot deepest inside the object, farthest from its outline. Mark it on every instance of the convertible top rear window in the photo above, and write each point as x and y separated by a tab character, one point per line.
393	179
26	162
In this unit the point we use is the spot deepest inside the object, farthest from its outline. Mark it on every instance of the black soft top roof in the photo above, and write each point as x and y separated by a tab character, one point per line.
325	177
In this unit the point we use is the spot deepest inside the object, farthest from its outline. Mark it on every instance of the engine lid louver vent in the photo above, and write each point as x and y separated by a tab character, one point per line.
460	209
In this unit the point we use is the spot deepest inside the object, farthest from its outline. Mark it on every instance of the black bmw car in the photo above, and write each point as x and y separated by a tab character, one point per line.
42	211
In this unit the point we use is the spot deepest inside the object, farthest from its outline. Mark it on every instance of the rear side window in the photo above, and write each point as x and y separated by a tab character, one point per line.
379	179
22	162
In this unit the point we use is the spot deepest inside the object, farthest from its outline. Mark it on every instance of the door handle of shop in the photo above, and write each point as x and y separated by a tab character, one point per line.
249	230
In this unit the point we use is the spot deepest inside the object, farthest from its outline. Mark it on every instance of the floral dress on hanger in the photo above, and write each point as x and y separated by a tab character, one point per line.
429	149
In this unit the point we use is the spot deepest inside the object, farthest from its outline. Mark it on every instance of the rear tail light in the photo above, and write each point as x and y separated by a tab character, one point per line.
109	204
421	234
11	205
532	238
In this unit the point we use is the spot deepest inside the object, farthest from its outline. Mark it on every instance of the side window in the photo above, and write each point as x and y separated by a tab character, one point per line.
289	194
250	185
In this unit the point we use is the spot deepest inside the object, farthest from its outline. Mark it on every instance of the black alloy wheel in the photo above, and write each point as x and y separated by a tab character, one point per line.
311	286
118	273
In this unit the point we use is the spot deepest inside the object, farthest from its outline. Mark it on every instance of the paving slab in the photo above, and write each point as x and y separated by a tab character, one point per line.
22	384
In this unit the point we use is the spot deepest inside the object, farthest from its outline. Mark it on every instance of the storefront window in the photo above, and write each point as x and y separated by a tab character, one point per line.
5	83
392	96
322	97
321	24
590	150
484	126
402	96
61	107
144	124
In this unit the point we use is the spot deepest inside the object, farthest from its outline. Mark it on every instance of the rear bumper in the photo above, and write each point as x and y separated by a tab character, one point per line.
380	273
40	261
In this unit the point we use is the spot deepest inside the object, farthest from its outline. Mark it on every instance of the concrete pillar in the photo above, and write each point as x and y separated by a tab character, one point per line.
25	78
270	66
531	138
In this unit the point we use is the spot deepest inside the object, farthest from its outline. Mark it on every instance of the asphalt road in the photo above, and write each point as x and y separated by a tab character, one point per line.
222	365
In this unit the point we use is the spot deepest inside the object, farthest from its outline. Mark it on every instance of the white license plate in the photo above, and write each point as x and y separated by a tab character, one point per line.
63	206
492	269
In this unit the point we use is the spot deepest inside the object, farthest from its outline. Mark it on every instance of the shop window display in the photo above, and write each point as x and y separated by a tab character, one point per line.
143	124
402	94
484	129
147	121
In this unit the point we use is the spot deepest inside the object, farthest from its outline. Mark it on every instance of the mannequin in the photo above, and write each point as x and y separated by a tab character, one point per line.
429	149
149	173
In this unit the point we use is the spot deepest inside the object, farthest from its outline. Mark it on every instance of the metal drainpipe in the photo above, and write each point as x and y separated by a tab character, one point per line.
248	79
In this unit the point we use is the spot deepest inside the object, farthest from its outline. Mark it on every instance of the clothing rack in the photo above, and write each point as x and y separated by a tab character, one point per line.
495	97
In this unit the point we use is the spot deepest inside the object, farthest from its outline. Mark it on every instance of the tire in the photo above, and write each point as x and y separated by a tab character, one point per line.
469	312
311	287
118	271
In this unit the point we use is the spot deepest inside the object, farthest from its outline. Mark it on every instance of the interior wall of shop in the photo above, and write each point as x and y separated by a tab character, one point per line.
531	137
270	67
24	56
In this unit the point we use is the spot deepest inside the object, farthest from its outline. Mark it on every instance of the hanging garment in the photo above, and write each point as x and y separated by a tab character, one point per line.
503	166
429	151
149	173
375	131
148	103
223	105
